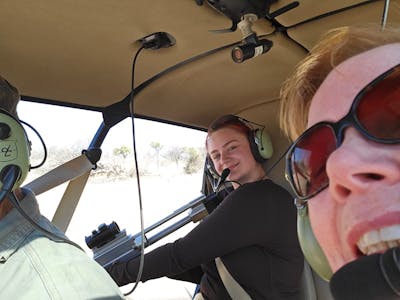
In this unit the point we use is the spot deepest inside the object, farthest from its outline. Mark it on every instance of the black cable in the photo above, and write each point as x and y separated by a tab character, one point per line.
43	144
228	181
52	236
11	176
278	160
132	115
228	189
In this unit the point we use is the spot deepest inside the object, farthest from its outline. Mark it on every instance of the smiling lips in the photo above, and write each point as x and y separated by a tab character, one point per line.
378	241
231	167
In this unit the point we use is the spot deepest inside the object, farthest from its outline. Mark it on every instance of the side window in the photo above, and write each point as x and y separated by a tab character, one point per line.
170	164
65	132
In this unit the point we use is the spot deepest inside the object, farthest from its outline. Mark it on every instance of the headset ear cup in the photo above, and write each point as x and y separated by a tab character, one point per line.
310	247
264	143
254	147
15	148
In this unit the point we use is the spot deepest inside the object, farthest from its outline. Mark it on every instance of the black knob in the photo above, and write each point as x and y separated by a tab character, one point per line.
5	131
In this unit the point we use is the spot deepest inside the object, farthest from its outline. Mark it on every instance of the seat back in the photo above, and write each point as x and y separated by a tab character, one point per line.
313	287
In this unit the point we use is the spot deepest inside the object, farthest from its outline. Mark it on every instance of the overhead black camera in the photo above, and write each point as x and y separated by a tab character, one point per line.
249	50
251	46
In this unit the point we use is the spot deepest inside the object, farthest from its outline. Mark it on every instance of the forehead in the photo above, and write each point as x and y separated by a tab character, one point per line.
221	137
336	94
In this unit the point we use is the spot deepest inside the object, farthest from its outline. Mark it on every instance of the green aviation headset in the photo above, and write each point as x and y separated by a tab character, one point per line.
260	144
14	156
14	148
309	245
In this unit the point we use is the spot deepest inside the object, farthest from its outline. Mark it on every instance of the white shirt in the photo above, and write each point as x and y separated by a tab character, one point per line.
34	267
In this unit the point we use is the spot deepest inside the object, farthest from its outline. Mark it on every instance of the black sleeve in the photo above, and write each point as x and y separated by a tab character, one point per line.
226	229
193	275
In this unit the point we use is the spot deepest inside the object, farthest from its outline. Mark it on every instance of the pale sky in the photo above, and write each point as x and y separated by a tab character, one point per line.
62	126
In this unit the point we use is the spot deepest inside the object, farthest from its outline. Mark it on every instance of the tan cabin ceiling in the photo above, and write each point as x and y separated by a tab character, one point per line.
80	53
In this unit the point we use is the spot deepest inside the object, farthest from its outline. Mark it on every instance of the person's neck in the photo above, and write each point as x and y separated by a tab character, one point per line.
6	206
258	175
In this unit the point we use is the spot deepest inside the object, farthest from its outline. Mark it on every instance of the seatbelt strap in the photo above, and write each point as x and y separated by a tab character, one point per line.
308	283
77	172
63	173
234	289
66	208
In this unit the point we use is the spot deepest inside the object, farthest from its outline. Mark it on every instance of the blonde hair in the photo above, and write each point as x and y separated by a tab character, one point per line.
9	97
334	47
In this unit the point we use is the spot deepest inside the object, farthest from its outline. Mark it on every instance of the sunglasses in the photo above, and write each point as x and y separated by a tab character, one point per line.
375	113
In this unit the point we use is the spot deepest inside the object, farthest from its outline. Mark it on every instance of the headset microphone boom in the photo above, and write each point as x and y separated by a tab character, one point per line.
225	173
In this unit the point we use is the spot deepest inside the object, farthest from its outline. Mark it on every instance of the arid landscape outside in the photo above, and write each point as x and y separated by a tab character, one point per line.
170	165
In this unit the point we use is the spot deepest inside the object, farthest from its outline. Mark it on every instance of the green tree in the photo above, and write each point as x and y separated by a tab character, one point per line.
124	151
193	160
174	154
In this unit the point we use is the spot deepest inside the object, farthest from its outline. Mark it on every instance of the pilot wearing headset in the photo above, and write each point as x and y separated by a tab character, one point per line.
247	247
37	261
342	108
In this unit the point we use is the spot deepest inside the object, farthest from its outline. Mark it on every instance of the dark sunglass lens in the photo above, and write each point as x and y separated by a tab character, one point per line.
379	109
308	160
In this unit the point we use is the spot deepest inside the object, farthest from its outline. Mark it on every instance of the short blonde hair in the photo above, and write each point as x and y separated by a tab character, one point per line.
9	97
334	47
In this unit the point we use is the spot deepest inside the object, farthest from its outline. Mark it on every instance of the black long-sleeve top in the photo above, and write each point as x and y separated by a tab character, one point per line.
253	231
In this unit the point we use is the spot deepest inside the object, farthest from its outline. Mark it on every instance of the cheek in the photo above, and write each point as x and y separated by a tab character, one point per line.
248	158
322	217
217	167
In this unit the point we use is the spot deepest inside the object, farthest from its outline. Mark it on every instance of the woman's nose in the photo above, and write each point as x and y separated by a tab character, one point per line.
358	165
224	157
224	160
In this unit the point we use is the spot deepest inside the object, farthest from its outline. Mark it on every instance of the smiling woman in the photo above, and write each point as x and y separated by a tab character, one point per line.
349	186
243	228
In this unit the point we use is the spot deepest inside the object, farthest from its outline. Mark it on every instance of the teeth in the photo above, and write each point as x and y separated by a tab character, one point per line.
390	233
380	247
370	238
372	249
378	241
